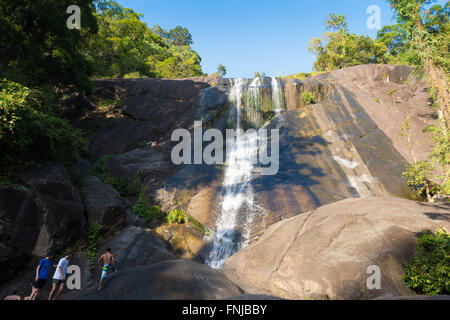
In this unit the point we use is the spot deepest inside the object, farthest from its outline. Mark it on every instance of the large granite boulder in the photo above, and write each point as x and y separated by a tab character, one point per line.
8	263
59	204
103	204
149	162
169	280
135	246
20	220
148	112
326	253
45	214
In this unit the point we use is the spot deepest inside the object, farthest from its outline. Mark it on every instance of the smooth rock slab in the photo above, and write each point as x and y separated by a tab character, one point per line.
135	246
60	209
103	204
325	253
169	280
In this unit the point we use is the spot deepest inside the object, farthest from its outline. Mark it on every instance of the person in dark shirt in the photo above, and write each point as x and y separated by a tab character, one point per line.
42	271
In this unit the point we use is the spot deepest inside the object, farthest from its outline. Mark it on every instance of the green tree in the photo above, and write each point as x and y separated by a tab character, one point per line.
37	48
395	38
125	46
221	70
123	43
428	35
340	49
180	36
182	62
160	31
337	23
31	130
428	31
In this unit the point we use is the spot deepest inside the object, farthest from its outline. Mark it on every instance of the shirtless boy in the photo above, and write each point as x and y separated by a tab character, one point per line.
108	264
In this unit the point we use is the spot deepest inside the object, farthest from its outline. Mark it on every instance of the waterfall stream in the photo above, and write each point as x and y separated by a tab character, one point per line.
238	208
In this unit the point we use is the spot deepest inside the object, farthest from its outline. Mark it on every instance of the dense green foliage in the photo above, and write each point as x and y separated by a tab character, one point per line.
402	38
150	214
221	70
178	216
422	38
125	188
31	131
36	47
308	98
125	46
429	272
340	49
93	231
39	55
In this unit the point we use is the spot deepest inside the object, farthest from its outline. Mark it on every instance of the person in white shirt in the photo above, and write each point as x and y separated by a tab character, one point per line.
59	278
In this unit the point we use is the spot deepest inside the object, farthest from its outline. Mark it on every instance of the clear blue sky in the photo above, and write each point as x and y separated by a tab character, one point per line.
269	36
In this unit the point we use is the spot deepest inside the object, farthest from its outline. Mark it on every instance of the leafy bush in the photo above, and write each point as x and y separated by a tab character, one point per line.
303	75
93	231
392	91
177	216
258	74
429	272
150	214
308	98
31	130
125	188
100	171
135	186
108	105
417	178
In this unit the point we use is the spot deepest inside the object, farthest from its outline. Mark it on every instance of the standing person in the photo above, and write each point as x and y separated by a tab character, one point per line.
108	263
41	275
59	278
14	296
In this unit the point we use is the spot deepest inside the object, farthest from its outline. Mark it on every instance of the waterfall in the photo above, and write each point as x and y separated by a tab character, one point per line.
277	95
238	208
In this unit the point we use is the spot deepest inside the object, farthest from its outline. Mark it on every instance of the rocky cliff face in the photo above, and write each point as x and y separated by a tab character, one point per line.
45	214
345	144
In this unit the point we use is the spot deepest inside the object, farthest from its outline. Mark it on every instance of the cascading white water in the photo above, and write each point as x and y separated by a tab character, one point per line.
277	95
237	194
238	208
